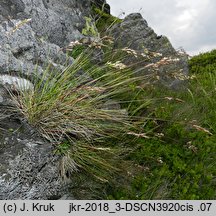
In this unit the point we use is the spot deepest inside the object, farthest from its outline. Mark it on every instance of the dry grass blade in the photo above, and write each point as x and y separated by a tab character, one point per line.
199	128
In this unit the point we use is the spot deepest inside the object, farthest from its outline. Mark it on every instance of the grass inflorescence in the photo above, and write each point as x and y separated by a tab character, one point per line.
179	161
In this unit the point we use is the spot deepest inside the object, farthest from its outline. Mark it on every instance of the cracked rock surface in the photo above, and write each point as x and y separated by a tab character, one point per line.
28	168
133	32
33	34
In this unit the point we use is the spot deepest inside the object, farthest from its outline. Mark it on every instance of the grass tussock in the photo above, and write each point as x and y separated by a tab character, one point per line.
81	111
110	119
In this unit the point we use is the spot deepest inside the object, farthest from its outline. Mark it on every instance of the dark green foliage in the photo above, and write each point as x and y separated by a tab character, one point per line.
103	20
176	157
203	62
77	50
180	164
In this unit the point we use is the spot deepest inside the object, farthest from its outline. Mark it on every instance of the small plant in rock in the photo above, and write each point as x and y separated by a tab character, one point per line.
90	28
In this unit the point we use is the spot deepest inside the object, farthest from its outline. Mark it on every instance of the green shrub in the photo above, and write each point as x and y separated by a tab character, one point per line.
203	62
180	163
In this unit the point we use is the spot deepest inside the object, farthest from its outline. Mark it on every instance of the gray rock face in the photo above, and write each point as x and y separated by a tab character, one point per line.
32	35
28	168
57	21
133	32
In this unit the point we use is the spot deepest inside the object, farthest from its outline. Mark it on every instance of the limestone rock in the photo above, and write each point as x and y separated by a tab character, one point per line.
28	168
133	32
33	34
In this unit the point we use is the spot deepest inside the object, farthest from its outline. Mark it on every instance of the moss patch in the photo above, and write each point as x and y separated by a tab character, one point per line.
103	20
